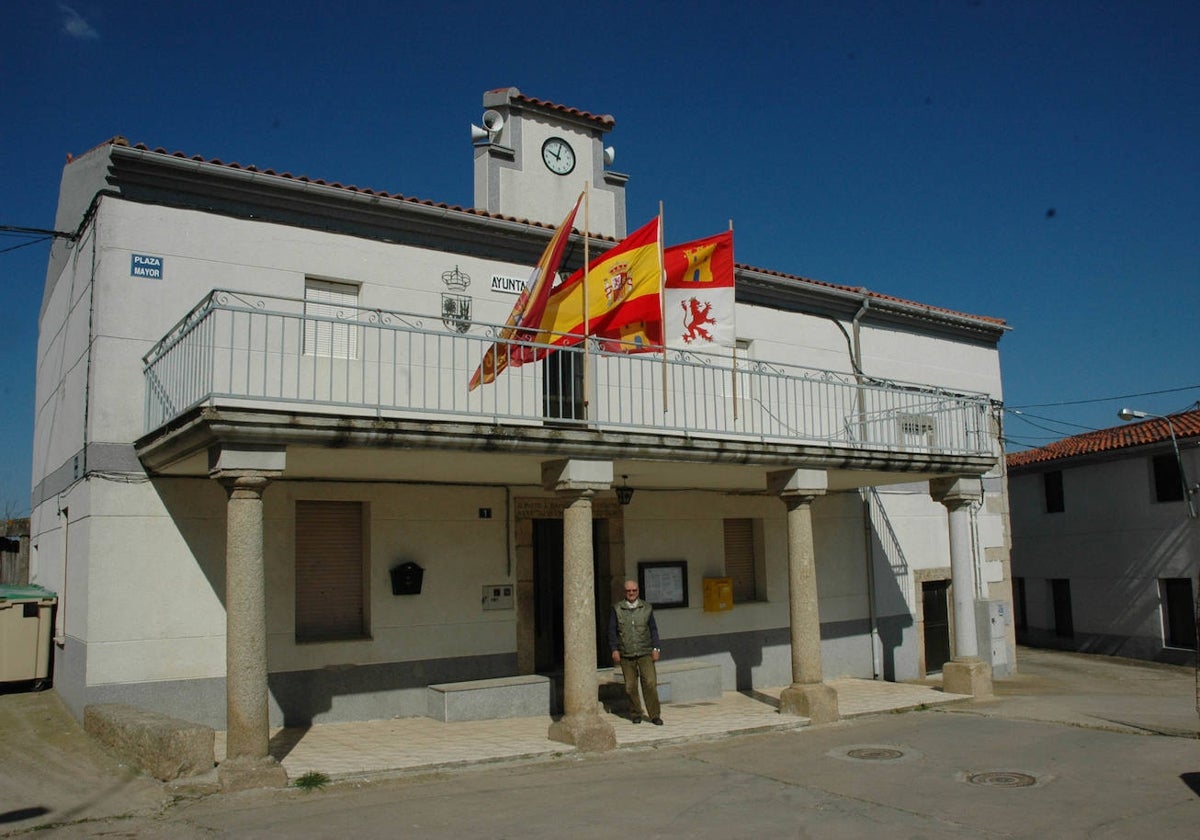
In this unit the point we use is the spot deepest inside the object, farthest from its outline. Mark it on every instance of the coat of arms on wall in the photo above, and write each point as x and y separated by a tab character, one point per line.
456	307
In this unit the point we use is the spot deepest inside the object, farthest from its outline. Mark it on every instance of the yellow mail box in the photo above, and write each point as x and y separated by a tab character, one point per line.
718	594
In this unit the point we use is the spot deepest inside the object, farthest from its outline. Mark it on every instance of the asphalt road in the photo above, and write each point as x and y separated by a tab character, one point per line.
1074	747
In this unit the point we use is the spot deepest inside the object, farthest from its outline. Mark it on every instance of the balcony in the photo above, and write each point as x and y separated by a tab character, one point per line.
246	351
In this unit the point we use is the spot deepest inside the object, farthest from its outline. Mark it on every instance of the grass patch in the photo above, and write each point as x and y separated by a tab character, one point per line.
311	781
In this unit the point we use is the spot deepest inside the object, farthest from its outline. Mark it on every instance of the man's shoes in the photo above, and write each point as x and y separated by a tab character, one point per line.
636	718
656	721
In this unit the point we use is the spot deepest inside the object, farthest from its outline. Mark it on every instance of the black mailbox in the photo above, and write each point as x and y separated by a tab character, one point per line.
406	579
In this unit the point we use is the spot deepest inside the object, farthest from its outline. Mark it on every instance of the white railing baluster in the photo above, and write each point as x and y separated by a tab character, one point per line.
212	352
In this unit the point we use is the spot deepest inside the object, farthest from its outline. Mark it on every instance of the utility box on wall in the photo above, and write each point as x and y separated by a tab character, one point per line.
498	596
992	618
718	594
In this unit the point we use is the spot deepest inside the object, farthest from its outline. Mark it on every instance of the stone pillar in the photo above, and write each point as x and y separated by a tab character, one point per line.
581	723
965	673
807	696
247	760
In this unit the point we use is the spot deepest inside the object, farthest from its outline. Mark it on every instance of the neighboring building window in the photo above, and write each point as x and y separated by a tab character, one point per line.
1052	483
1060	594
1168	483
1179	613
330	319
741	558
330	579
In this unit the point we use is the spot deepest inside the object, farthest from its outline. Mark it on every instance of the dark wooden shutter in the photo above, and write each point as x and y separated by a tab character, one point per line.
739	559
329	570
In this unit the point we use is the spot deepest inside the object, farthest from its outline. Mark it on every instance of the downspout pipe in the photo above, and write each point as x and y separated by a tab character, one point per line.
868	531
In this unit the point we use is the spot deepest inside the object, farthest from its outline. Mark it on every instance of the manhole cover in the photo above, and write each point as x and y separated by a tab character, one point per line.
886	753
1002	778
875	754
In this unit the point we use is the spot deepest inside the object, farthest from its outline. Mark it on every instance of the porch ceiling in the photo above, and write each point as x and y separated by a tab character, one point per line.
323	447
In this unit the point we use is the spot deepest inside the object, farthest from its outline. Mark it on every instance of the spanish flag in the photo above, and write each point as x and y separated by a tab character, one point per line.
623	303
698	296
528	311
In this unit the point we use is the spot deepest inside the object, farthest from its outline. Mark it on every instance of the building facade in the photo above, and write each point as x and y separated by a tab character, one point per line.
1106	542
264	492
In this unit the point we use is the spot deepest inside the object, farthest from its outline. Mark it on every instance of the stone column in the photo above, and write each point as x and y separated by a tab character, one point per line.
581	723
247	760
965	673
807	696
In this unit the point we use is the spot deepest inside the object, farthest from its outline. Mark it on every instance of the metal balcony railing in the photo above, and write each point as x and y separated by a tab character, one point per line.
236	348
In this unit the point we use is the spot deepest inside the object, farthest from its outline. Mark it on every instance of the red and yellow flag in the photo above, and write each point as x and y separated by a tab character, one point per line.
699	293
622	298
528	311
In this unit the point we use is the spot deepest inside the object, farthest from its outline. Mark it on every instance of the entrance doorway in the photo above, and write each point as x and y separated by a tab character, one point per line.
935	600
548	595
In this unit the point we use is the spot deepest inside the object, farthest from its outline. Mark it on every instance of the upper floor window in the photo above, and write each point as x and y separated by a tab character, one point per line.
330	319
1168	483
1052	484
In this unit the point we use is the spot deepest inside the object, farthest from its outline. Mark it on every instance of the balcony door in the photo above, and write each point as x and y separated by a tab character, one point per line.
562	386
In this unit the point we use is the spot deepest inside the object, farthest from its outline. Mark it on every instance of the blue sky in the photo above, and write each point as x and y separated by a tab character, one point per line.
1032	161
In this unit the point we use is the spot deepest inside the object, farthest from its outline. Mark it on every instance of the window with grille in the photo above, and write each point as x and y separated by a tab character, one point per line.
330	313
330	566
741	559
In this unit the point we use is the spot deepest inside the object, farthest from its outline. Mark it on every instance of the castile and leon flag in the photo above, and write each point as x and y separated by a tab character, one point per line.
698	294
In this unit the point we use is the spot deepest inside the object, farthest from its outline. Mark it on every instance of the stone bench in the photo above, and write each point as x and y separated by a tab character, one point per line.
526	695
680	681
164	747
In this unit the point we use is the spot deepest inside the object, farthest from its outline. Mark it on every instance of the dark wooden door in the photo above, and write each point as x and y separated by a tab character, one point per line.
935	598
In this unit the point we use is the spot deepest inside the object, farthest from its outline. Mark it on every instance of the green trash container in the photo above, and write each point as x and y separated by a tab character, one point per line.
26	622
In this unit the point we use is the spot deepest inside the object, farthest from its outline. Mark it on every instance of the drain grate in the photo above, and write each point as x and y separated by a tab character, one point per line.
1002	779
875	754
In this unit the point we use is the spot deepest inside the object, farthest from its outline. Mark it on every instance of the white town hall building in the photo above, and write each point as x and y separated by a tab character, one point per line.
265	495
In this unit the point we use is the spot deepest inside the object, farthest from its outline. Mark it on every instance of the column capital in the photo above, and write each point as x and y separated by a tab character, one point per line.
244	484
798	487
577	476
956	491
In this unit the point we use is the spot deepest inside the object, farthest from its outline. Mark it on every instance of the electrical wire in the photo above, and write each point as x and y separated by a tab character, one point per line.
25	244
1109	399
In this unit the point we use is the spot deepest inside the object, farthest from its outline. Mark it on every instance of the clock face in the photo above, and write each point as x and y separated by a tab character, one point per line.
558	156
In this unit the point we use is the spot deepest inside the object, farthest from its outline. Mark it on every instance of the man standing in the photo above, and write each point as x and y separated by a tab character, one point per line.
633	637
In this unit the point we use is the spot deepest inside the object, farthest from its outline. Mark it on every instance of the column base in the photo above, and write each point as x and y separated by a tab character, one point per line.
246	773
968	676
588	733
816	701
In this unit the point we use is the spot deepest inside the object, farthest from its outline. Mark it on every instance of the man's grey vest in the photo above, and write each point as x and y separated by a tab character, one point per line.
633	629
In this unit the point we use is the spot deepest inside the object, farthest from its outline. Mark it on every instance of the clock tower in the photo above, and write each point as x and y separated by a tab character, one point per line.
532	159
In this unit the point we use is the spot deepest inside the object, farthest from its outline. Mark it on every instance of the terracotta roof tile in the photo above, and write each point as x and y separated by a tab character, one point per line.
606	120
121	141
1144	432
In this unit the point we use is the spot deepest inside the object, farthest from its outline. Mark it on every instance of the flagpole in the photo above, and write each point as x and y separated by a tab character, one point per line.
587	353
662	304
735	395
